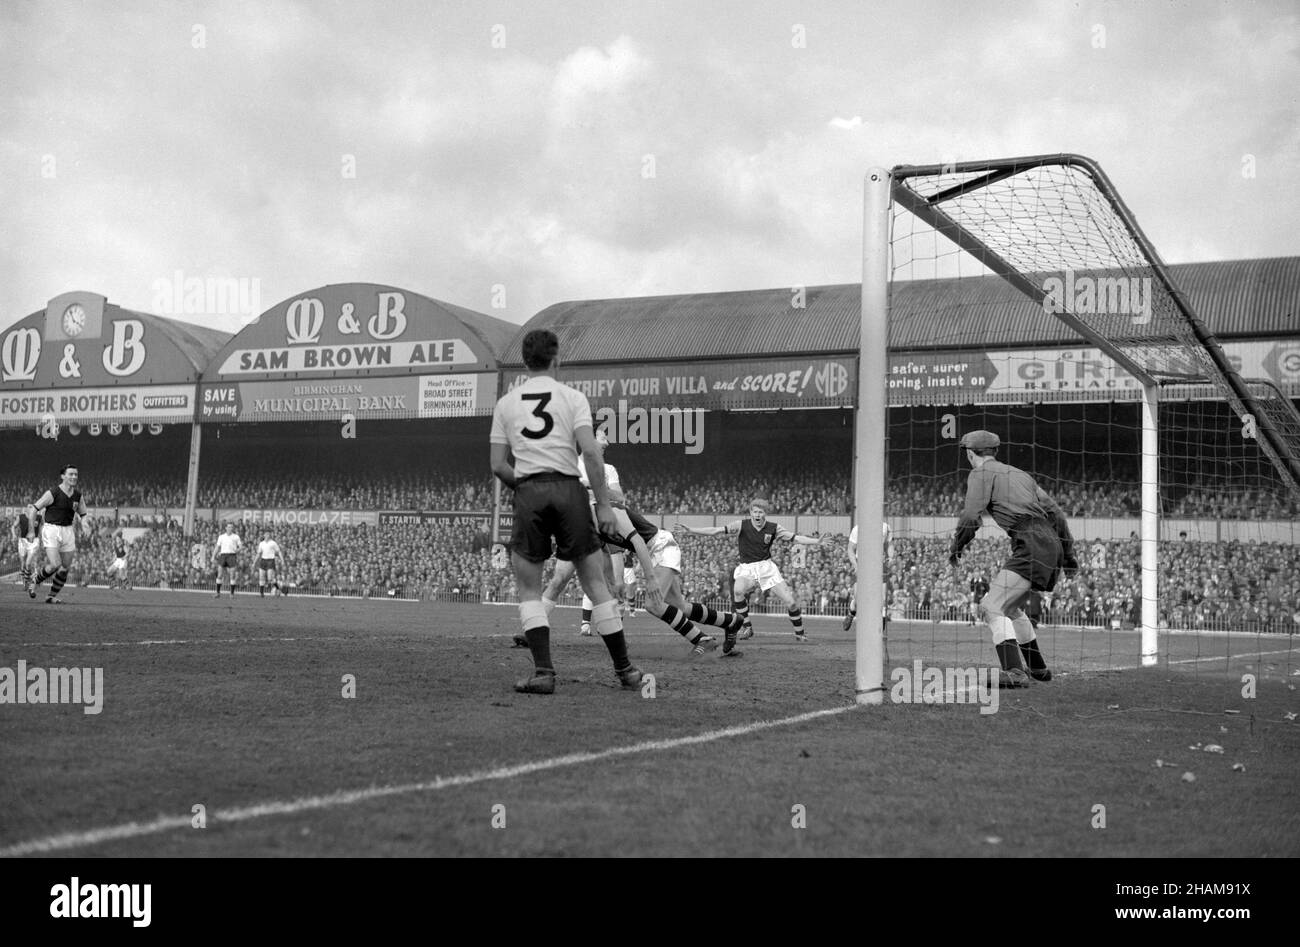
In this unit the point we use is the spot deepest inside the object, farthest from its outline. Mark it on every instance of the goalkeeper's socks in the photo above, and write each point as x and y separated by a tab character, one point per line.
1033	657
617	646
674	619
586	616
539	643
1009	655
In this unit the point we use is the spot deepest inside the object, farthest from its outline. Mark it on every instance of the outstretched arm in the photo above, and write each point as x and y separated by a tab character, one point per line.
783	533
732	527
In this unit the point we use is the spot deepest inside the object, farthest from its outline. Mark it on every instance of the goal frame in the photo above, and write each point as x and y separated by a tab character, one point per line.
883	189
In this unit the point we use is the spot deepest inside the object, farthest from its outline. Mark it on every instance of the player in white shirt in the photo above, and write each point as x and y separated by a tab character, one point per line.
853	558
268	550
541	421
565	571
225	556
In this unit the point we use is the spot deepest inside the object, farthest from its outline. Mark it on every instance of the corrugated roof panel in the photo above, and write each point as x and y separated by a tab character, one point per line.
1235	298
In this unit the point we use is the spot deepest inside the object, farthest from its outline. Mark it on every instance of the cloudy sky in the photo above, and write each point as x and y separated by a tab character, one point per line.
507	156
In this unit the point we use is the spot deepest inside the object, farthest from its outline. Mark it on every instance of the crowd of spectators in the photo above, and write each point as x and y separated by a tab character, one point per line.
795	484
1244	586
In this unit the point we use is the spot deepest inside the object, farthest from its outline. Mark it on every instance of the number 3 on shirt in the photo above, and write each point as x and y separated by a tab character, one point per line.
548	422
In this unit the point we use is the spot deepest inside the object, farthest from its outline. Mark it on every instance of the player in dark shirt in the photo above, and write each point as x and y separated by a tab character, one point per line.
1041	548
755	537
62	505
117	577
29	550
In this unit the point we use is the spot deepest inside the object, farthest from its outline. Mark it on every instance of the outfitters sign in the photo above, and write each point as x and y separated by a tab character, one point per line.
759	383
166	404
349	330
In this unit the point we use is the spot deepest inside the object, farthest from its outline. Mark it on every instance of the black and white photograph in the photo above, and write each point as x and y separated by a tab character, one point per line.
595	430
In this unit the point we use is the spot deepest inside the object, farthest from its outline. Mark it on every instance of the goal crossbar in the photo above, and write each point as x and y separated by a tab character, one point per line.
1070	197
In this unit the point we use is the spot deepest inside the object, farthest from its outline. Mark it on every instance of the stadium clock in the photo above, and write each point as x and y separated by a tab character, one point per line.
74	319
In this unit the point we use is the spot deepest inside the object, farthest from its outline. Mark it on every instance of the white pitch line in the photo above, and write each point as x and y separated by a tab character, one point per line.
167	641
128	830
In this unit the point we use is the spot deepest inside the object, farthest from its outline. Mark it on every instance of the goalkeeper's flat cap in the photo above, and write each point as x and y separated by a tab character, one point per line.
979	439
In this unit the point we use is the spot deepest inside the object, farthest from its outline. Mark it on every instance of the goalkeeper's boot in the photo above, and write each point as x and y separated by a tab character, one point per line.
629	677
1040	674
706	643
1013	678
520	641
729	645
542	682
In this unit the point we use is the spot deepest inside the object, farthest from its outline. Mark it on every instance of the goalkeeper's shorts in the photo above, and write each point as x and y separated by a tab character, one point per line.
1036	554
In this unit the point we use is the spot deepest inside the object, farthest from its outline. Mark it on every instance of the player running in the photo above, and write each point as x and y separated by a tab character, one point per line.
1041	548
28	549
853	558
117	577
268	551
539	421
225	556
755	537
61	505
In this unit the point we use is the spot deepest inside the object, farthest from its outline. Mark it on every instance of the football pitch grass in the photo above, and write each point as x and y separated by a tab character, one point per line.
238	707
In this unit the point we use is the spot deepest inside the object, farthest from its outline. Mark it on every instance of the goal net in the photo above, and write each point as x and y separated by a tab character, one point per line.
1019	296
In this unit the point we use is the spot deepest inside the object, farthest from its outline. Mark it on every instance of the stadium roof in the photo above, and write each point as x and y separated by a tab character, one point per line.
197	343
1235	298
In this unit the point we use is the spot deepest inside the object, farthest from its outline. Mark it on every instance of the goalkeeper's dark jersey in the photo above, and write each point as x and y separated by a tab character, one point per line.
1008	493
60	512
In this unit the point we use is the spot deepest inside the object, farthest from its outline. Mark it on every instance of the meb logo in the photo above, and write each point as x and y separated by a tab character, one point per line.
831	379
20	353
125	354
303	320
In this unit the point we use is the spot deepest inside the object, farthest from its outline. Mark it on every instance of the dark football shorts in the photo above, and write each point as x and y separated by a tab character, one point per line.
552	505
1036	554
227	560
266	565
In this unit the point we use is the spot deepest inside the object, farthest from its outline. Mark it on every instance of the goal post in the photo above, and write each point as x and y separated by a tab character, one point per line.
871	439
1054	228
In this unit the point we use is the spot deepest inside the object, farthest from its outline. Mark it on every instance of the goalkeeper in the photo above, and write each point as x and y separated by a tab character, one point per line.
1041	547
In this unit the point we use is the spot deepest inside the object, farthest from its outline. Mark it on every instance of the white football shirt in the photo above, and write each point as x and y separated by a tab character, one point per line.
228	543
611	478
268	549
539	420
